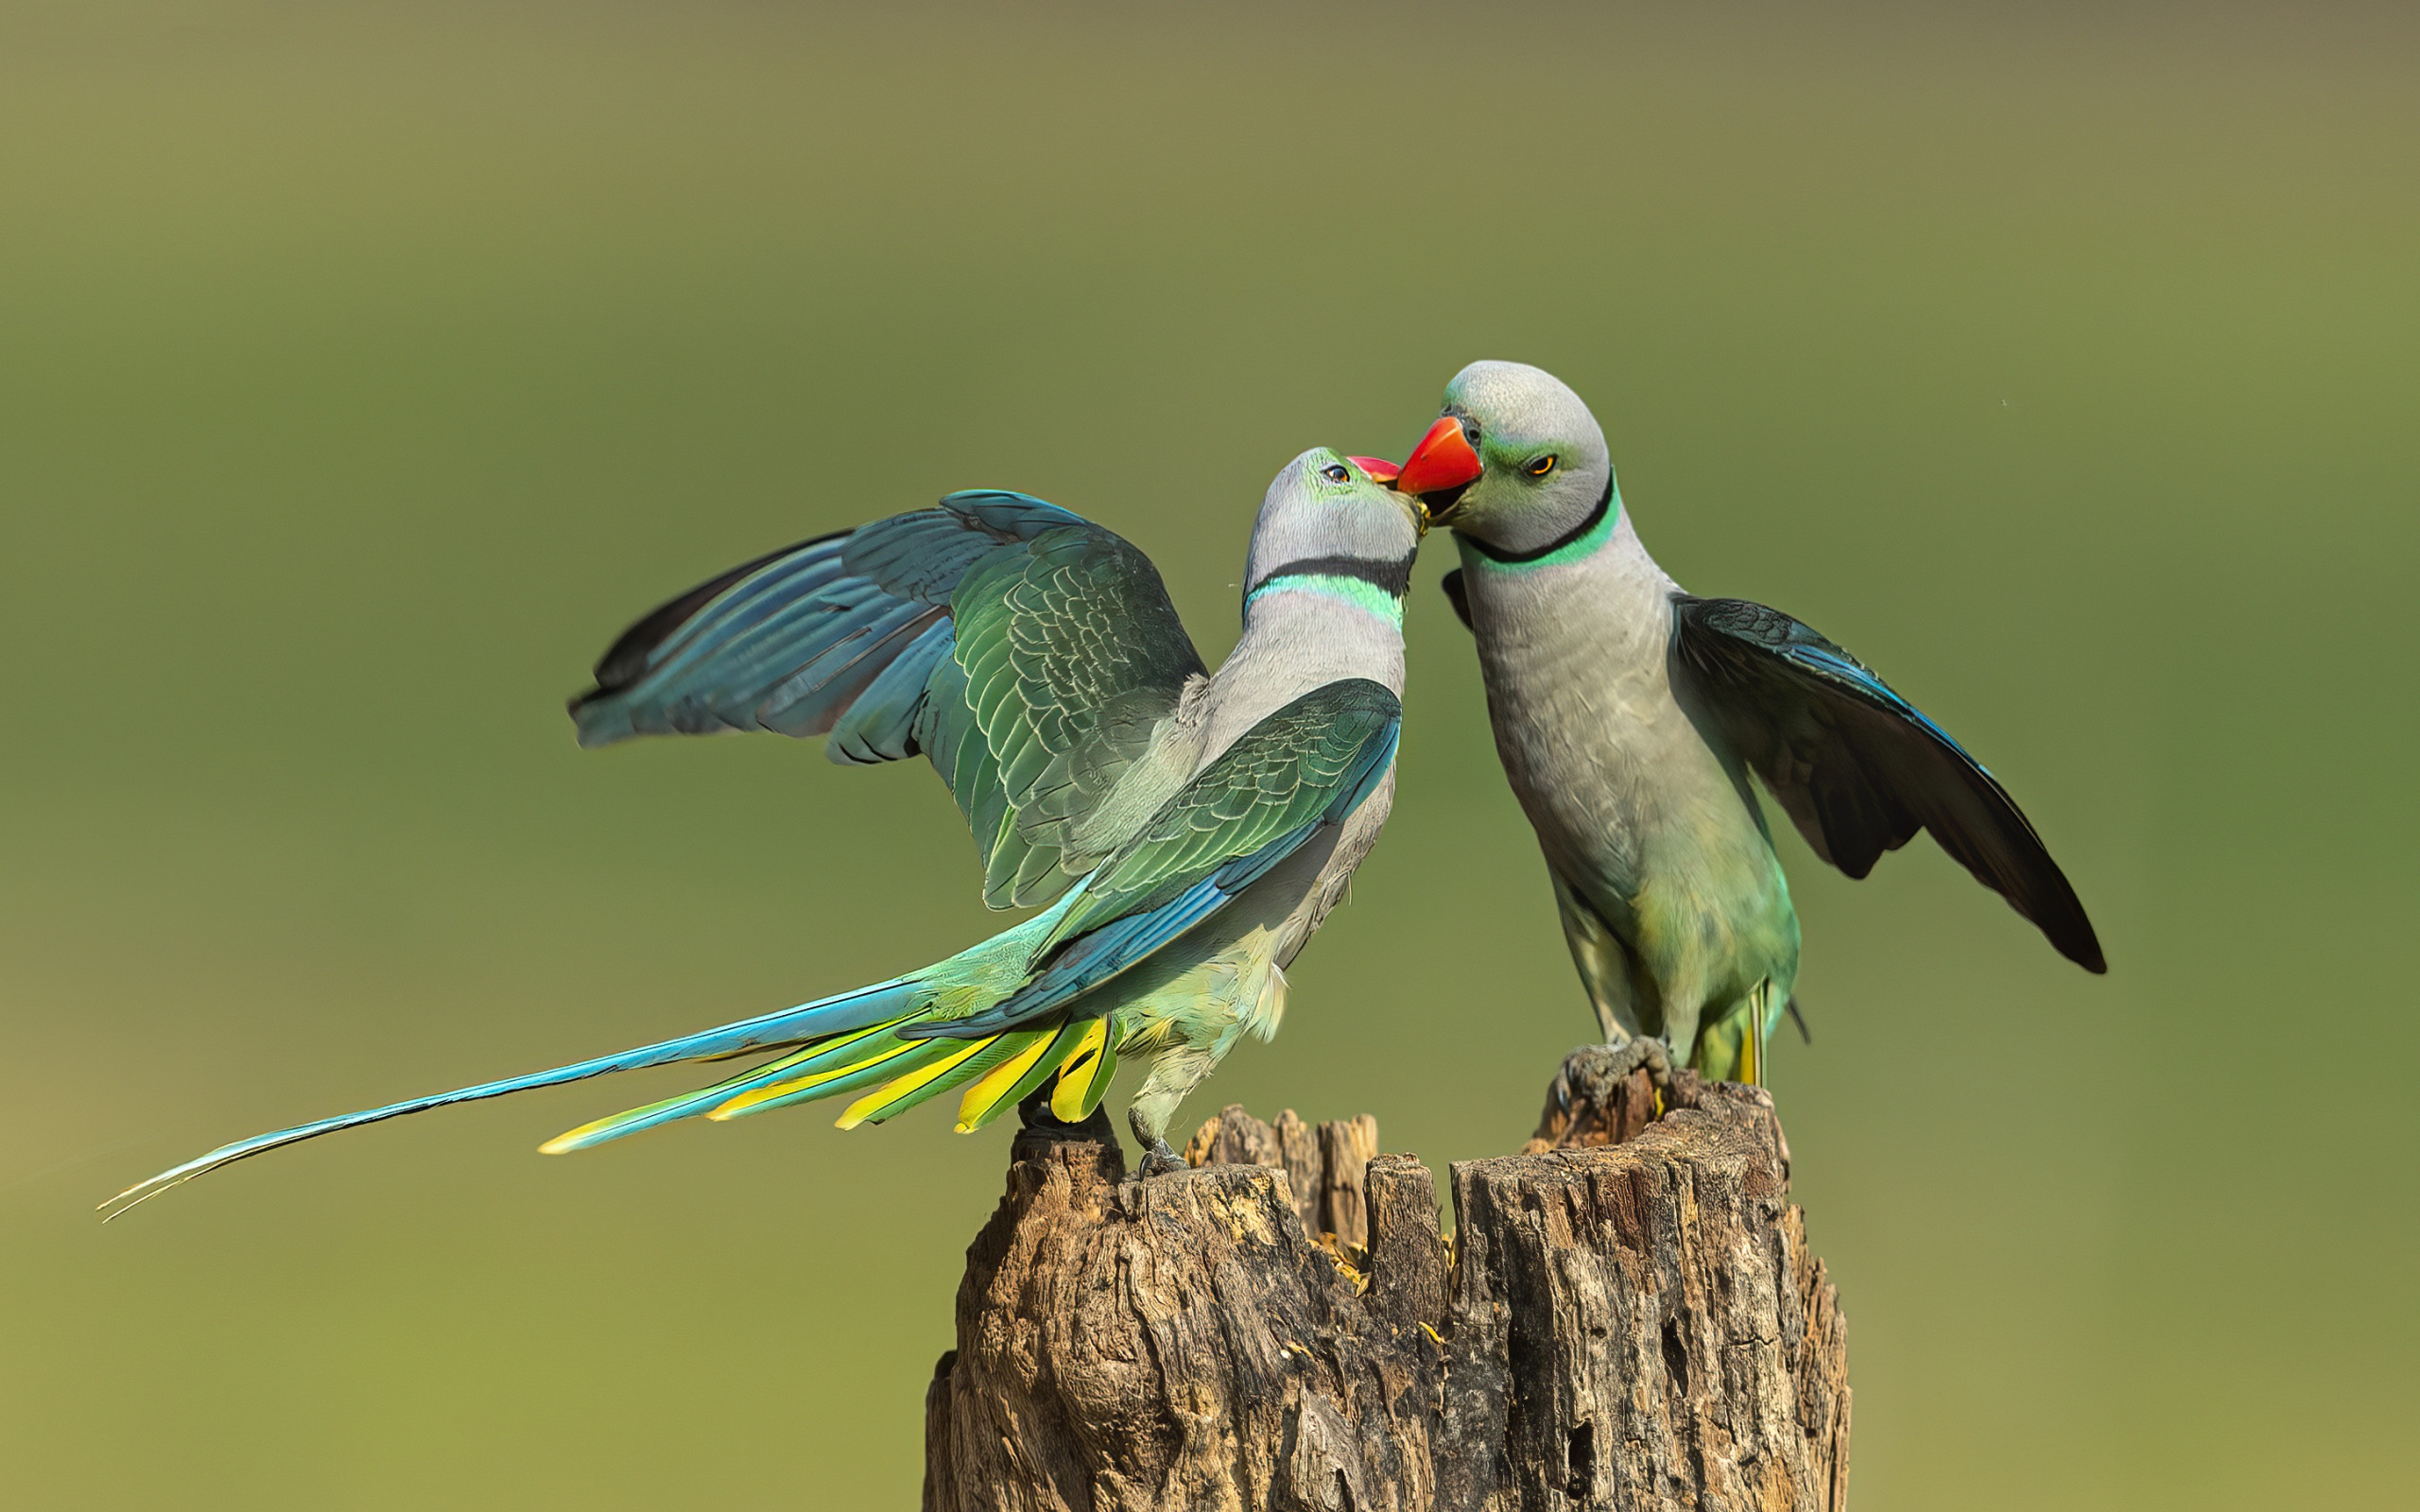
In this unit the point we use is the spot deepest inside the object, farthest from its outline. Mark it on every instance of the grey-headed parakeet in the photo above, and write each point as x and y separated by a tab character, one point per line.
1187	831
1629	715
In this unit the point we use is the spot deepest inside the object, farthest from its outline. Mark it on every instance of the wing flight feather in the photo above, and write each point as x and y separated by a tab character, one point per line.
1857	768
1029	654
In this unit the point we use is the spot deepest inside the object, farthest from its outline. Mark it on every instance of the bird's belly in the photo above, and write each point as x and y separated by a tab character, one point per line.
1638	813
1600	759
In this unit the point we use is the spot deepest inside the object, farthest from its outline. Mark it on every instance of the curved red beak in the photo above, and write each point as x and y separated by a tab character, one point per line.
1379	469
1442	463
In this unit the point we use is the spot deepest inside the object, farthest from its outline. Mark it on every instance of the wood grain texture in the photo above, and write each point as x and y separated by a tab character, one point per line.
1628	1325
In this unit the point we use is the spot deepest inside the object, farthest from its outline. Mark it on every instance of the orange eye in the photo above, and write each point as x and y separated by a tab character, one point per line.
1541	467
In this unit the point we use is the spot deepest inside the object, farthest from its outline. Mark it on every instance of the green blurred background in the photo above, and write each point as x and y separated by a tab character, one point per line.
364	369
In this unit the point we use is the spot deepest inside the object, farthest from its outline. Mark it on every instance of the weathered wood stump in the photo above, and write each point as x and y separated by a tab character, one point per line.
1628	1317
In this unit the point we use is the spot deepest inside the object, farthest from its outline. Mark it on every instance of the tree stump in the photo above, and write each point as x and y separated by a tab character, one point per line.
1628	1317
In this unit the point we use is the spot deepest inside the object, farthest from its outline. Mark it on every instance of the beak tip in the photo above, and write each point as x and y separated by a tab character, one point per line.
1442	460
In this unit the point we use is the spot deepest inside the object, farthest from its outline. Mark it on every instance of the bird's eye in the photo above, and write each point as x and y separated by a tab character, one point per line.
1541	467
1336	472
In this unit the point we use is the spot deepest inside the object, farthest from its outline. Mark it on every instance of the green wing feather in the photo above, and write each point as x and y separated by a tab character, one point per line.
1308	764
1071	656
1026	652
1313	760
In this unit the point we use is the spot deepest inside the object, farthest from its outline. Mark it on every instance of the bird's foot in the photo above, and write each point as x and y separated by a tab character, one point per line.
1589	1102
1591	1073
1159	1160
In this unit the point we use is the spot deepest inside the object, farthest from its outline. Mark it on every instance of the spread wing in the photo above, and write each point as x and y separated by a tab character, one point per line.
1857	768
1302	769
1026	652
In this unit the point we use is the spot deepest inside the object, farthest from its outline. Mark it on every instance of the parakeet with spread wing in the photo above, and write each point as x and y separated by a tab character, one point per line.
1188	831
1628	715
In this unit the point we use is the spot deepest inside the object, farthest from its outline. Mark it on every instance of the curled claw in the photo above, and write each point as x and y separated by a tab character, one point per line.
1585	1091
1592	1070
1159	1160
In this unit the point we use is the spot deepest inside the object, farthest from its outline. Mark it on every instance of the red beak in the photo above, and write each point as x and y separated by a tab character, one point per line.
1379	469
1443	461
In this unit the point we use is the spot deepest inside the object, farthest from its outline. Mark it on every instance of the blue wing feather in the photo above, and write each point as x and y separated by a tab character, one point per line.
1014	643
880	723
1117	947
1858	768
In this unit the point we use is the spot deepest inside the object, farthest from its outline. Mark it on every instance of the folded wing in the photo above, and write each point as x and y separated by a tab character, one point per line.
1028	653
1857	767
1300	770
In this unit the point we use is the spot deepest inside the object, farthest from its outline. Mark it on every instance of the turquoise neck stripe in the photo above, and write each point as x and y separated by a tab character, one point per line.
1588	543
1352	591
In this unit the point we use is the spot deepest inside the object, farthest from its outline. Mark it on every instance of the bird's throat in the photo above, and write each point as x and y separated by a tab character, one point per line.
1585	538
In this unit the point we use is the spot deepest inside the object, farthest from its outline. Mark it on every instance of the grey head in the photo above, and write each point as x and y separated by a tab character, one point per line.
1514	462
1329	525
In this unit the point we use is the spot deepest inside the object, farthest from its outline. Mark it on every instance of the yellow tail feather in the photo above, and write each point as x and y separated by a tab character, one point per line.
902	1088
1084	1074
756	1096
976	1108
1751	1067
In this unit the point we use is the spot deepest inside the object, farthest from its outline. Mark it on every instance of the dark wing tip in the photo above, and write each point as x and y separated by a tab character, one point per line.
2079	944
2041	892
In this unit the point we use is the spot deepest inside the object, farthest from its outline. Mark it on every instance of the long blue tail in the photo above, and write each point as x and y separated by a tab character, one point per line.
840	1014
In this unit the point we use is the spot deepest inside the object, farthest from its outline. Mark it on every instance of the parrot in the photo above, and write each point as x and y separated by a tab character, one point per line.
1627	715
1184	832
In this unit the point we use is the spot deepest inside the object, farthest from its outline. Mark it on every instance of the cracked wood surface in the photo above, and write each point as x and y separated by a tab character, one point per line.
1628	1318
